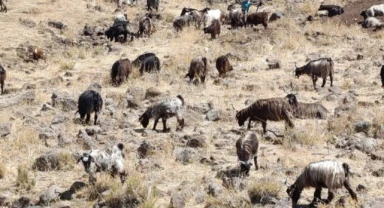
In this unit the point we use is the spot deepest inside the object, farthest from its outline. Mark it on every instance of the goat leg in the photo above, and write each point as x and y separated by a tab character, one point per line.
317	196
88	118
95	118
324	81
165	129
155	124
351	192
255	160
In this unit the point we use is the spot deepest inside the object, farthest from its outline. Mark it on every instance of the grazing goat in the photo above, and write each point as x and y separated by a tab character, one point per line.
153	4
375	10
322	174
333	10
164	109
3	6
310	110
257	19
120	28
273	109
372	22
322	67
3	75
246	149
108	160
36	53
210	15
382	76
145	26
213	29
236	18
223	65
182	21
140	59
150	64
198	68
120	71
198	16
89	101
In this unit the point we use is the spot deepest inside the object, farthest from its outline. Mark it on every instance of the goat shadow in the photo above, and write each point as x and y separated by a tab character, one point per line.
142	130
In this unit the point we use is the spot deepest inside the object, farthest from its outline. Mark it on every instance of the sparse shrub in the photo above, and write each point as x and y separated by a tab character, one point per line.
169	17
67	65
263	191
23	181
3	170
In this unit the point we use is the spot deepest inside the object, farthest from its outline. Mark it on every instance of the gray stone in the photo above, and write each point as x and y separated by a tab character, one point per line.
50	195
136	92
46	107
92	130
379	172
177	201
347	143
213	115
85	140
152	92
63	101
367	145
378	155
15	99
145	149
196	140
47	133
22	202
215	189
134	103
95	87
201	107
380	132
59	119
236	183
53	160
5	129
376	202
274	64
185	155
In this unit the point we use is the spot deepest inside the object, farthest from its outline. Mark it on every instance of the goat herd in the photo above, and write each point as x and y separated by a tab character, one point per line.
322	174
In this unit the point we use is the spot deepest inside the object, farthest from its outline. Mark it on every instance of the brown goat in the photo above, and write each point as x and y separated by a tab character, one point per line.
199	68
310	110
273	109
257	19
213	29
3	75
322	67
36	53
145	27
120	71
223	65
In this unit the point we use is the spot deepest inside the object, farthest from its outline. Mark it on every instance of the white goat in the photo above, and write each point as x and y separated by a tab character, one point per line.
109	160
372	22
210	15
376	10
329	174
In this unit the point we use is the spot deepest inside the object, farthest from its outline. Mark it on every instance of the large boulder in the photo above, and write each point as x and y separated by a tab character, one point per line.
50	195
15	99
5	129
54	160
63	101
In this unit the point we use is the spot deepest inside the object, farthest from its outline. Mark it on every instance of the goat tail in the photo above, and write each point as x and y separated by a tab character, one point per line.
181	98
205	61
120	146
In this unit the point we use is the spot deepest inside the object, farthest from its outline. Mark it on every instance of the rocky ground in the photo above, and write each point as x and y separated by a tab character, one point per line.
40	138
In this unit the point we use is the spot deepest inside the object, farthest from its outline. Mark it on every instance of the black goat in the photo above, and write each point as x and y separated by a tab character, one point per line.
150	64
3	75
89	101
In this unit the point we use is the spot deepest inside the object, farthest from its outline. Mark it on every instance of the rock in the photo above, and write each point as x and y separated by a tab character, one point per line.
185	155
379	172
196	140
50	195
269	136
274	64
145	165
213	115
54	160
57	25
332	97
64	140
367	145
348	98
92	130
376	202
28	23
344	109
177	201
215	189
5	129
134	103
47	133
236	183
15	99
380	132
201	107
347	143
95	87
152	92
85	140
136	92
275	16
145	149
378	155
22	202
114	48
361	188
59	119
200	198
63	101
88	31
46	107
359	57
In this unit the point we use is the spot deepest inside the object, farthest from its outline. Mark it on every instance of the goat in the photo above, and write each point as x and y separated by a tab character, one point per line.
89	101
382	76
150	64
36	53
310	110
375	10
273	109
372	22
120	28
120	71
223	65
318	68
213	29
182	21
198	68
236	18
210	15
3	6
109	160
257	18
246	149
153	4
145	27
333	10
140	59
186	10
164	109
329	174
3	76
198	16
121	18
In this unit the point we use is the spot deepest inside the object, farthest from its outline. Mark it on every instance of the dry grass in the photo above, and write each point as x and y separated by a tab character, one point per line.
23	180
263	190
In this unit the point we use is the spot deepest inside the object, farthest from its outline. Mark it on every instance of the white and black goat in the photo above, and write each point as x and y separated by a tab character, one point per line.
246	149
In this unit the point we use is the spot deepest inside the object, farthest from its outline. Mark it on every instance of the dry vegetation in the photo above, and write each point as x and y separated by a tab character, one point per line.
151	182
